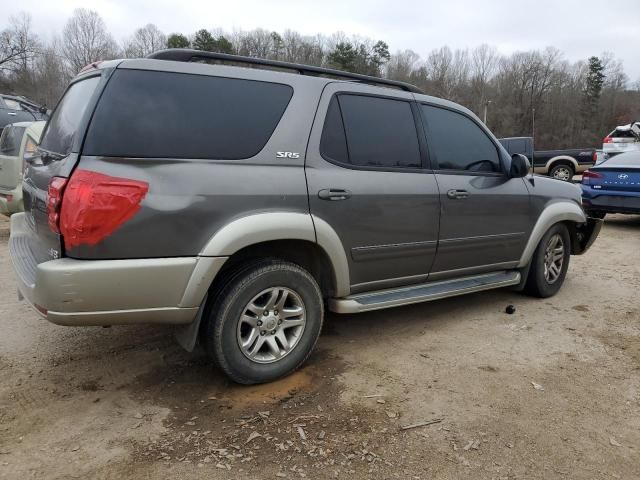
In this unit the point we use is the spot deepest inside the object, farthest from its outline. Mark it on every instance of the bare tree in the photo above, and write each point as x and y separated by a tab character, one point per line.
18	44
144	41
85	39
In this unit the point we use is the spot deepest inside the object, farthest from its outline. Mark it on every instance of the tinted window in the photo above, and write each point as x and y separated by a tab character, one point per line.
457	143
333	144
10	141
160	114
379	132
62	128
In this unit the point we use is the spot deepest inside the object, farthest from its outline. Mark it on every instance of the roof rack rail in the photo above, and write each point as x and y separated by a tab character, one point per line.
189	55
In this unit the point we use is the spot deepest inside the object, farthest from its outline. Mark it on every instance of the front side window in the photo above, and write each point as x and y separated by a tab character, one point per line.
457	143
370	131
63	126
149	114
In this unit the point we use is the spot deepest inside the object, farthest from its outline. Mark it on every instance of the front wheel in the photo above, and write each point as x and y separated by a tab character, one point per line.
265	322
549	263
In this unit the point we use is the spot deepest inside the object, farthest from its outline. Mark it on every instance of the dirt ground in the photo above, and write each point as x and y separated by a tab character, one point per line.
552	391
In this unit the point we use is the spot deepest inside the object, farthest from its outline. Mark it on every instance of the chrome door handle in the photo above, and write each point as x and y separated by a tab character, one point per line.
457	194
334	194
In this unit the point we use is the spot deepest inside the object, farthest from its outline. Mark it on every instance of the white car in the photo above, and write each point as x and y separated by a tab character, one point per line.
625	138
17	141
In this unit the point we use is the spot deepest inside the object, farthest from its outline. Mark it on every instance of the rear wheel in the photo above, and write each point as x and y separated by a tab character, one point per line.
265	322
549	263
562	171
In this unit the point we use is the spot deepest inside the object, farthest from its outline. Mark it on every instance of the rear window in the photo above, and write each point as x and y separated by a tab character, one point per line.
175	115
63	126
622	134
10	141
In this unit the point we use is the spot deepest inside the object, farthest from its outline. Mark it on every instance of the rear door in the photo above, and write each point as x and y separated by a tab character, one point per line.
57	155
367	179
485	219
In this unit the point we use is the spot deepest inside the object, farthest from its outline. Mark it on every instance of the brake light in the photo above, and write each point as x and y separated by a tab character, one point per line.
595	156
95	205
591	174
607	140
54	201
91	66
29	150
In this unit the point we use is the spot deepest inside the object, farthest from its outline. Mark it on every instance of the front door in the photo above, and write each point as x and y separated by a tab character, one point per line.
485	219
366	179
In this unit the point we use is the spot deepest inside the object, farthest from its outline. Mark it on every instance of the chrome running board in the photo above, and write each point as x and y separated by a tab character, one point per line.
425	292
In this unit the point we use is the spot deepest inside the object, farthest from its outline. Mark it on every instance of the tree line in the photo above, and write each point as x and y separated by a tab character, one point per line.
563	103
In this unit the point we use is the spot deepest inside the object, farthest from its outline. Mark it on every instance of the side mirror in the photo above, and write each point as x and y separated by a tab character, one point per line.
520	166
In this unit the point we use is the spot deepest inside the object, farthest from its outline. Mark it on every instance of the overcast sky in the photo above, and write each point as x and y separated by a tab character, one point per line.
580	28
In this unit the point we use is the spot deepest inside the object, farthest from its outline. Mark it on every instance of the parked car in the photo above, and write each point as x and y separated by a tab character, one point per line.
559	164
14	109
622	139
614	186
238	202
17	141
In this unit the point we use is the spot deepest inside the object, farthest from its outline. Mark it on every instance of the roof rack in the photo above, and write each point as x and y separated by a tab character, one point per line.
189	55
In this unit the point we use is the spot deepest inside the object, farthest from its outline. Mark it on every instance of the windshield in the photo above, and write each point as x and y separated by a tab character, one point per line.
63	126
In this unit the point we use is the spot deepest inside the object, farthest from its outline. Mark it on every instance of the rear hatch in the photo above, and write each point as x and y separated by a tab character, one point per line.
56	156
623	139
10	163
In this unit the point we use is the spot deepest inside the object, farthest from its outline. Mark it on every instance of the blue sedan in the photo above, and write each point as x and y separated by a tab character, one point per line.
613	186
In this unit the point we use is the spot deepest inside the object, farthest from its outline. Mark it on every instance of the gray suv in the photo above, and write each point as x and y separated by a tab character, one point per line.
242	202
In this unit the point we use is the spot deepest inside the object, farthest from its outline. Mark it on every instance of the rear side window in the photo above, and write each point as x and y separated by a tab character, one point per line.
63	126
457	143
174	115
10	141
370	132
12	104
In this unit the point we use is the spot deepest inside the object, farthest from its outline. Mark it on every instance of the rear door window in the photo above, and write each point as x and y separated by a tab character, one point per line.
10	141
458	143
369	131
62	128
175	115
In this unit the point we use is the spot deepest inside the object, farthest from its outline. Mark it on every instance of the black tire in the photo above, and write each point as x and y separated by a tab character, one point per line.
558	171
221	325
538	285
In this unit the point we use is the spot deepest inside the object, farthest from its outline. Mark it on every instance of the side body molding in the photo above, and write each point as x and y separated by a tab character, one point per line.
560	211
269	226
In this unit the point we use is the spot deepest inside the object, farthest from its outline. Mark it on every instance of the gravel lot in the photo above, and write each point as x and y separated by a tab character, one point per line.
552	391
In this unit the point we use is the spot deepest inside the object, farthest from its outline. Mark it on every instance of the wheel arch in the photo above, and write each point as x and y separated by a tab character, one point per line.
288	235
562	159
557	212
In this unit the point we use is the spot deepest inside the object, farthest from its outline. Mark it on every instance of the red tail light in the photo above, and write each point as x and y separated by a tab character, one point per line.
591	174
595	156
54	201
607	140
95	205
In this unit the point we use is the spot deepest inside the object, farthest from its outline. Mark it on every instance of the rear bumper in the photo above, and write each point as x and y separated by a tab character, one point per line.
610	201
11	201
67	291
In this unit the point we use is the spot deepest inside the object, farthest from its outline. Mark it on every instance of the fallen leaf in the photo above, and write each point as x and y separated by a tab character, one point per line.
537	386
614	442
